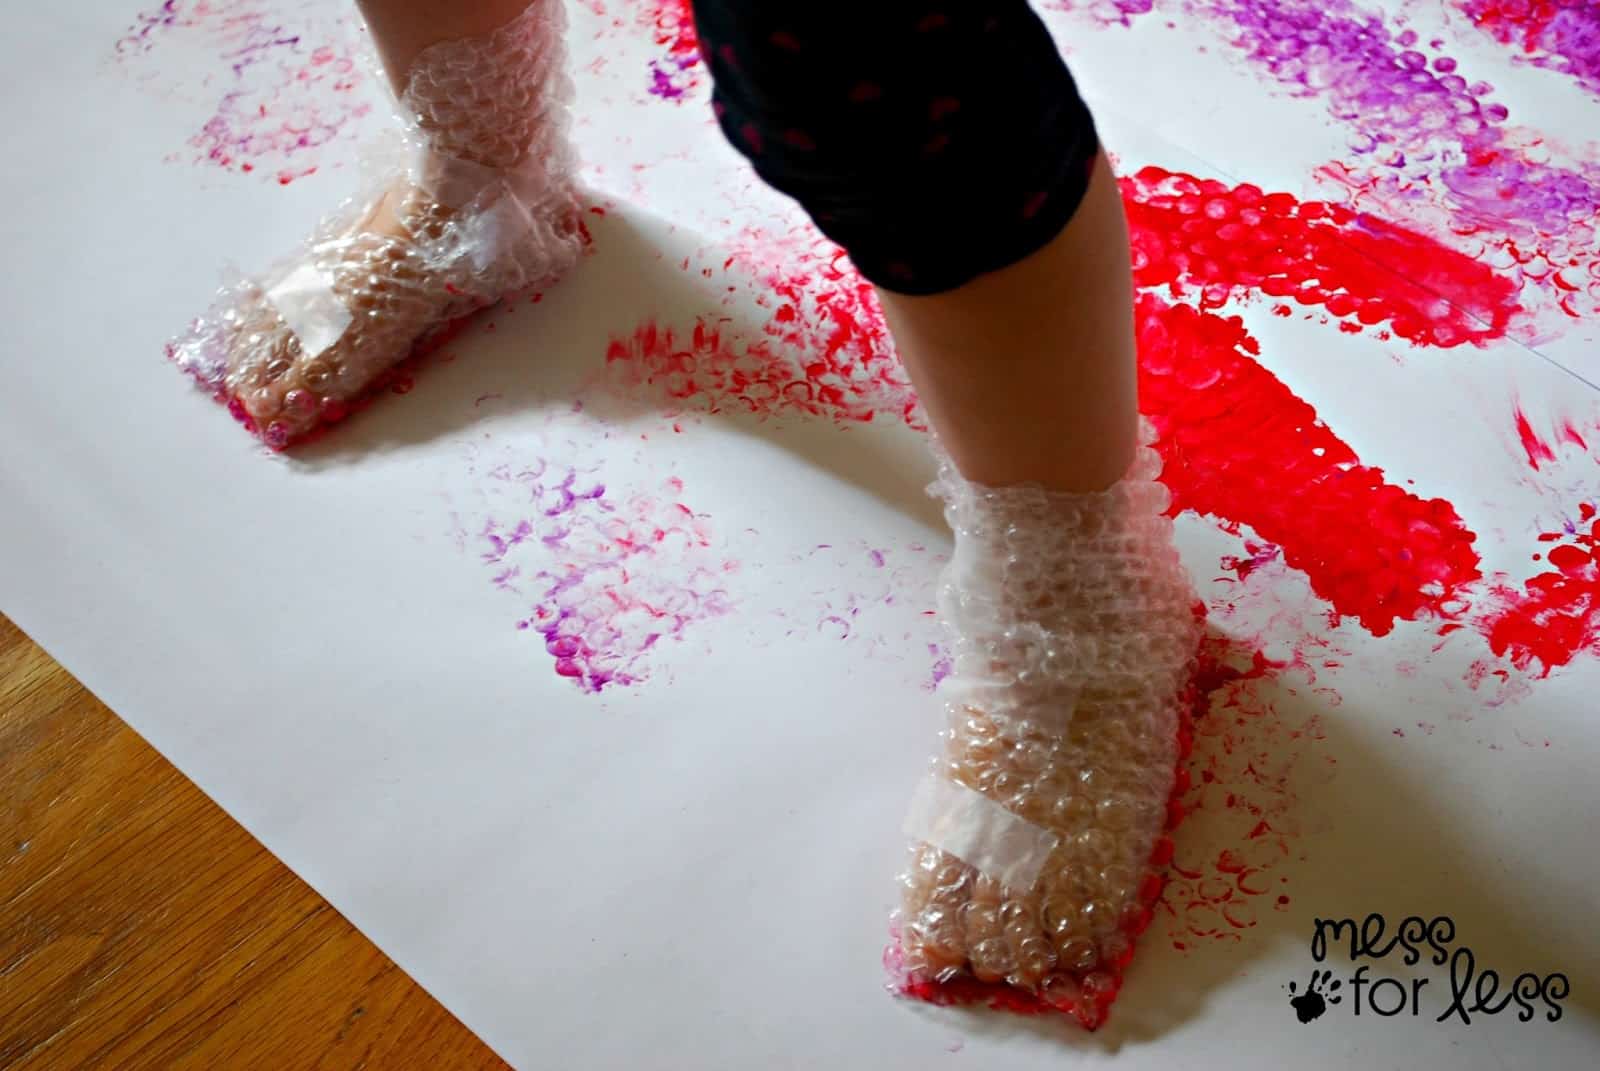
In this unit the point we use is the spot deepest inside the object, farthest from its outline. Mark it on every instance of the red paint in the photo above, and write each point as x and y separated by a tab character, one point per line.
1556	615
1523	23
673	21
824	350
1221	242
1239	446
732	374
1536	448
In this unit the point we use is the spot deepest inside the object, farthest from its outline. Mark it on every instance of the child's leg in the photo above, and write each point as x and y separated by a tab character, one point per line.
482	204
1028	372
401	29
946	148
944	145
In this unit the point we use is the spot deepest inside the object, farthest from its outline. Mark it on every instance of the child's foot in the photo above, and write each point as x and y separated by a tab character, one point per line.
485	205
1076	636
297	348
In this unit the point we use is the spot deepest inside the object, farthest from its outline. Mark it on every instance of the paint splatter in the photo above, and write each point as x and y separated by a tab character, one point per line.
1239	446
1555	615
1241	795
1232	241
677	71
706	371
820	307
824	349
1561	35
604	577
288	90
879	602
1540	623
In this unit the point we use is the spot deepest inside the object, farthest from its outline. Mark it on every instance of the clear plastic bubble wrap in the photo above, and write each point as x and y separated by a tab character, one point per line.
1076	633
478	201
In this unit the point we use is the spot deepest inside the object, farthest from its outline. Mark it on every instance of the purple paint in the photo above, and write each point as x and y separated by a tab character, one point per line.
670	79
1559	35
603	579
286	92
942	666
1435	148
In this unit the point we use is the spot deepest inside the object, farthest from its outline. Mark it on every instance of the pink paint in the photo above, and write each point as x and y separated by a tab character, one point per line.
1105	12
288	88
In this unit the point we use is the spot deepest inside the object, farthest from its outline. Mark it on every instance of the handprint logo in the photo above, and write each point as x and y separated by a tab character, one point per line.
1312	1003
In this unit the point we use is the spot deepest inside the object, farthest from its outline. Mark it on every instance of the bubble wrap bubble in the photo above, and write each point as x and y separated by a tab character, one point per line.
478	201
1075	632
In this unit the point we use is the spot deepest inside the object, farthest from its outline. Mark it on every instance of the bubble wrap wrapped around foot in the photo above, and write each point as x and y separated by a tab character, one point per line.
1076	631
482	203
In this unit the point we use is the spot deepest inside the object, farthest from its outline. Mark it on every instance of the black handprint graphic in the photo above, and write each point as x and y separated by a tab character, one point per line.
1311	1004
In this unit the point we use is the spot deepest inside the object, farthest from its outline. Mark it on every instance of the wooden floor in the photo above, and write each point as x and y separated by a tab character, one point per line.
140	927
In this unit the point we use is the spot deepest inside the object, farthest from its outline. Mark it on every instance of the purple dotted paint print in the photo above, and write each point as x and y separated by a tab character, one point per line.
602	575
1430	144
286	89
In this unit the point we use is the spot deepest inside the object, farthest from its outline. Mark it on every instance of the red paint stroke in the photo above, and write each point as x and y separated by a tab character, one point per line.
1239	446
1556	615
1226	242
1537	448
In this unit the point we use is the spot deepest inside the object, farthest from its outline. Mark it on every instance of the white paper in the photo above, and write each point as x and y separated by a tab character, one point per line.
695	869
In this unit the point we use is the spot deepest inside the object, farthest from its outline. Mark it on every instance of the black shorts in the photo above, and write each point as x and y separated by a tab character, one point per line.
934	141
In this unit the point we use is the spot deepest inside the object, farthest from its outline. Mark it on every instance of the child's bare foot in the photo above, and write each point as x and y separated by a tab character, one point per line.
484	206
1076	637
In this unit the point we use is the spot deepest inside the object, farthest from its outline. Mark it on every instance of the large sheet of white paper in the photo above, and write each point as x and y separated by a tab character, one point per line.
668	839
